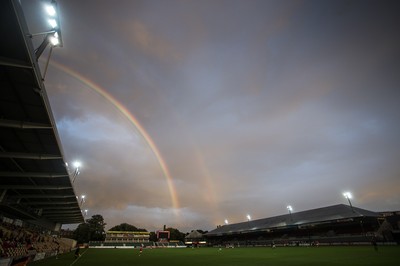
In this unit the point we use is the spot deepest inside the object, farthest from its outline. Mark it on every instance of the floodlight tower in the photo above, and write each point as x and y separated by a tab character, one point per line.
226	221
52	35
76	171
248	217
82	200
290	209
348	196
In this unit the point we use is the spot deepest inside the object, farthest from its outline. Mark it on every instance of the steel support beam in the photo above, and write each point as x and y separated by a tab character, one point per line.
35	156
53	202
42	196
71	215
22	187
23	124
4	61
25	174
60	208
55	212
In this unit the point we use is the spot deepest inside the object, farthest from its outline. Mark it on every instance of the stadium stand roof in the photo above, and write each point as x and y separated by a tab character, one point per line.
194	234
328	214
34	181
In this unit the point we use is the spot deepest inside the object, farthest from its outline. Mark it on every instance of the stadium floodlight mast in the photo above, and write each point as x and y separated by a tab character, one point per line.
76	164
52	35
82	199
248	217
85	212
226	221
290	209
348	196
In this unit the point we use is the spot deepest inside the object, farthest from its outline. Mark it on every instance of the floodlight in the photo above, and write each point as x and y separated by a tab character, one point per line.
82	200
226	221
53	23
248	217
347	195
50	10
51	38
290	209
76	164
54	41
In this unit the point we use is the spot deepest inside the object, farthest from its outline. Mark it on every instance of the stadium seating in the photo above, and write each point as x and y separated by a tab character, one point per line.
18	242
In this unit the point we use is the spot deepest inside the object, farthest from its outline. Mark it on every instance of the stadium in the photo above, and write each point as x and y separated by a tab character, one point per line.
38	196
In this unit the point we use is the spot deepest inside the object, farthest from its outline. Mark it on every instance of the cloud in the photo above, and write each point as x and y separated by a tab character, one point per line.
148	42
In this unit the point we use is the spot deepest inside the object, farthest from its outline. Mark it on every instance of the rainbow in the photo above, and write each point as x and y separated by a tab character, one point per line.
120	107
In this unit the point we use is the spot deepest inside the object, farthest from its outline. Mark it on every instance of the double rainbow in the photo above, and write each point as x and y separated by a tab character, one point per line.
120	107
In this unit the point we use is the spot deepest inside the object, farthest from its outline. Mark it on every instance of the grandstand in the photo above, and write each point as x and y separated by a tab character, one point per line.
36	192
126	239
127	236
338	224
131	239
195	239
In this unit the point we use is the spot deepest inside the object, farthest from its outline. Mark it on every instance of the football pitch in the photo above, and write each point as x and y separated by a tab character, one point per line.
282	256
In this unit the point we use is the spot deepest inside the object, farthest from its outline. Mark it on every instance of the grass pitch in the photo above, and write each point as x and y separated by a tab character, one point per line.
283	256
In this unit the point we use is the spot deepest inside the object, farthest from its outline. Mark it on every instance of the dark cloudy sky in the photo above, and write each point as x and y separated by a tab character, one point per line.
186	113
